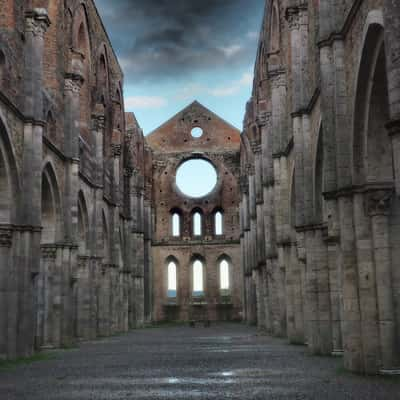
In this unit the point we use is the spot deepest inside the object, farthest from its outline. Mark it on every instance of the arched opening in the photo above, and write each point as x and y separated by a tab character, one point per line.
49	219
83	225
82	45
102	73
176	224
2	66
5	187
198	278
380	165
274	39
218	223
318	180
121	254
172	279
118	111
197	223
224	277
372	154
106	240
81	41
293	204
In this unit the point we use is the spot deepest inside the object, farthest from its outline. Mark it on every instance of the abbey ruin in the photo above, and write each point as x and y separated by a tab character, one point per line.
300	234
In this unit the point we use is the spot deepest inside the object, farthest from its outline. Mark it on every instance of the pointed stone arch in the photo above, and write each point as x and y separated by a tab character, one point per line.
274	28
318	176
106	245
82	64
51	206
371	147
9	181
83	225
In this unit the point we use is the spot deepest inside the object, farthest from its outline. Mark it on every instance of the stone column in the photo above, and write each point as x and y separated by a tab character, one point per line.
27	264
137	240
46	297
352	342
379	204
148	270
8	293
367	285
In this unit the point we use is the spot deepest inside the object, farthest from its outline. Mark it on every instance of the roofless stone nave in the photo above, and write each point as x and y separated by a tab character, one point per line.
95	237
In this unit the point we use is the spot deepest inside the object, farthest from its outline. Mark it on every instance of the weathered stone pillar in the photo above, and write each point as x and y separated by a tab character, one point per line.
352	338
148	268
367	285
27	264
137	249
298	335
8	297
379	205
72	88
46	297
68	281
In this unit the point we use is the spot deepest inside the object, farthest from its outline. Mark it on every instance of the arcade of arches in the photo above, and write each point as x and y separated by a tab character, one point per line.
299	233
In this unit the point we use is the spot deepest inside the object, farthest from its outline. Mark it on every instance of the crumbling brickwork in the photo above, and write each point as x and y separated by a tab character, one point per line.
172	144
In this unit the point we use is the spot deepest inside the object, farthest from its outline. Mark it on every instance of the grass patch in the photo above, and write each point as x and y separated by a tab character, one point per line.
10	365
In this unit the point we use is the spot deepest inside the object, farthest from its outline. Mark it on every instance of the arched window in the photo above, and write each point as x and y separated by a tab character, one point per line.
224	277
176	224
172	279
218	223
82	42
102	73
198	278
274	44
49	218
197	224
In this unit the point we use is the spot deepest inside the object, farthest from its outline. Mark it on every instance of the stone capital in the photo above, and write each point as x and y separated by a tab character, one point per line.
277	79
128	172
73	83
5	237
255	147
379	202
37	22
49	252
263	119
98	122
116	150
294	16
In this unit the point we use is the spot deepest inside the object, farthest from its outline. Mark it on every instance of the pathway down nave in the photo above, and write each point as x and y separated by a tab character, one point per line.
225	361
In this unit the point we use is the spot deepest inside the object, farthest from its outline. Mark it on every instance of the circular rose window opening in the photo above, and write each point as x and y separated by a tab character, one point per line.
197	132
196	178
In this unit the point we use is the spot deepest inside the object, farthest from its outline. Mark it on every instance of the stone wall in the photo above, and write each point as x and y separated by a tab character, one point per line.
172	144
319	157
71	181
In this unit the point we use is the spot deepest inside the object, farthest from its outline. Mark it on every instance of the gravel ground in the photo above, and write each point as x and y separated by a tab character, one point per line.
227	361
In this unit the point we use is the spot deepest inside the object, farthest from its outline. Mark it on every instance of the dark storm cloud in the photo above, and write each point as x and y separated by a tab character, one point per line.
172	38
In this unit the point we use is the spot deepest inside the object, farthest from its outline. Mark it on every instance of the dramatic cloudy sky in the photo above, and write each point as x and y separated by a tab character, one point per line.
176	51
